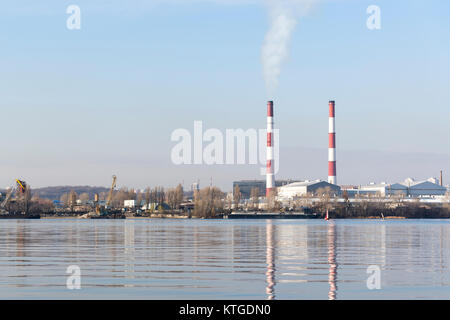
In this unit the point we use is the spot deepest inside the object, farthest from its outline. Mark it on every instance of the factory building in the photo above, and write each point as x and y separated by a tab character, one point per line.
298	189
426	188
408	188
246	186
384	189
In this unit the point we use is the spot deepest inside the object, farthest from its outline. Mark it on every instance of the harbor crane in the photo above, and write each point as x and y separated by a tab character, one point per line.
19	187
113	186
7	198
105	210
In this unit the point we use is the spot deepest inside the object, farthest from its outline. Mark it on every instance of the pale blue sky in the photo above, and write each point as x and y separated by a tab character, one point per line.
78	106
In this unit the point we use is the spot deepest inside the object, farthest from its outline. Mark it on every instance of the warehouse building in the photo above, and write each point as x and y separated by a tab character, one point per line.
298	189
408	188
426	188
384	189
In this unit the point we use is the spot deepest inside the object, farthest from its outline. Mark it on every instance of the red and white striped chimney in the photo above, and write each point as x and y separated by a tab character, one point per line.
270	178
331	146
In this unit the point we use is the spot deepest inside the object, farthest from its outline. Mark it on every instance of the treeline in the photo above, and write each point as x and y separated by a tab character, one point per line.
211	202
208	202
156	196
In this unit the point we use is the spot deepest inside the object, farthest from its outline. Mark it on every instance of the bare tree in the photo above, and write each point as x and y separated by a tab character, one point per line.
254	197
132	194
272	203
84	197
229	199
72	199
147	197
119	196
324	195
170	198
237	197
64	199
208	202
139	198
158	195
153	195
179	196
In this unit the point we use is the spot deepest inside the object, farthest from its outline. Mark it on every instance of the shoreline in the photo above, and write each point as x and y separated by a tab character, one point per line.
235	216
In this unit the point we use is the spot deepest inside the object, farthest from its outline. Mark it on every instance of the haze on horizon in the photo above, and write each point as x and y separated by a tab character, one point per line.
81	105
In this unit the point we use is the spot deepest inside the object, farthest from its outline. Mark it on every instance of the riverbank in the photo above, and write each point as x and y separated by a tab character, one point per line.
335	211
261	216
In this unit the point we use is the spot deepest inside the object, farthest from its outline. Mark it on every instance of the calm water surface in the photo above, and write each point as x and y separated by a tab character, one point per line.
224	259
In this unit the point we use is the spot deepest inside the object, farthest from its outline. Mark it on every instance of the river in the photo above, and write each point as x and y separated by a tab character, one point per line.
224	259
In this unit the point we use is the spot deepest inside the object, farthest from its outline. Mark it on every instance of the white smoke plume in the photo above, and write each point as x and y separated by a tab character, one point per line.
283	16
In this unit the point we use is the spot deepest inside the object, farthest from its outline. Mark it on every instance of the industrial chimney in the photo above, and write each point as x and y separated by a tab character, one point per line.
331	145
270	179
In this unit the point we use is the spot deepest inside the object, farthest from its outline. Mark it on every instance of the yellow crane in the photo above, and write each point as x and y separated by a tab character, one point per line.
113	185
21	185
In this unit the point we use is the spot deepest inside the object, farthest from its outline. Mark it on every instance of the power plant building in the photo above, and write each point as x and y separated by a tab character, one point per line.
246	186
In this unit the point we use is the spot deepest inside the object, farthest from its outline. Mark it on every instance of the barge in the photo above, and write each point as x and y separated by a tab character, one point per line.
258	215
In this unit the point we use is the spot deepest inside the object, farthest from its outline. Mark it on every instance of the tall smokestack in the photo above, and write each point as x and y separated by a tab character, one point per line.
270	178
331	146
441	182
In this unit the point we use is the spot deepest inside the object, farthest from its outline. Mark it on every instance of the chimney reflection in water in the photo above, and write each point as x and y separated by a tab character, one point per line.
270	260
332	271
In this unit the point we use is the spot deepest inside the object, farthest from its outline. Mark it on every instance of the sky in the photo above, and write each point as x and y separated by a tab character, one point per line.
81	105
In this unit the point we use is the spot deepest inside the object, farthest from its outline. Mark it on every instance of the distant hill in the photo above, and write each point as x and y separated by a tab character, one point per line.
55	193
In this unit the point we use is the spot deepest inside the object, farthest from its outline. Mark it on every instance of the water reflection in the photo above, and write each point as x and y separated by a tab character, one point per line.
129	250
270	260
383	245
20	239
332	271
